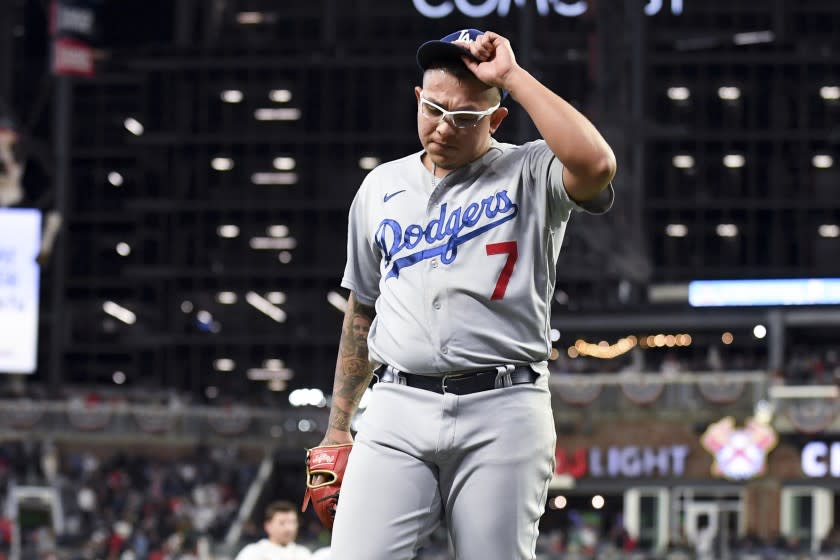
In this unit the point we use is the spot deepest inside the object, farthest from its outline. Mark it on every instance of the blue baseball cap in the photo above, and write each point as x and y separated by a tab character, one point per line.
448	49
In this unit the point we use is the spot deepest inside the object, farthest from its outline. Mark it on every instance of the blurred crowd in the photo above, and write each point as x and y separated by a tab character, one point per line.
809	367
124	506
142	506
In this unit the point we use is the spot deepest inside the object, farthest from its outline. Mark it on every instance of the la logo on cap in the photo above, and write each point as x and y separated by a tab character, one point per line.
464	36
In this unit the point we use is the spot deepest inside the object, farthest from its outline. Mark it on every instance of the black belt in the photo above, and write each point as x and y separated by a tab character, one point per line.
461	383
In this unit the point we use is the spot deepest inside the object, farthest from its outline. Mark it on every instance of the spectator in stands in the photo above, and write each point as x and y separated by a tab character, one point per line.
281	524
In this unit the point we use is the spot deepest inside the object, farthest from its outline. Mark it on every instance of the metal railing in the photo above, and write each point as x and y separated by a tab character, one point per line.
642	392
164	425
696	394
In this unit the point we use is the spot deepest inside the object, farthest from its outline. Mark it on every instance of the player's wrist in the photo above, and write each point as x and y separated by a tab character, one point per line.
515	80
337	437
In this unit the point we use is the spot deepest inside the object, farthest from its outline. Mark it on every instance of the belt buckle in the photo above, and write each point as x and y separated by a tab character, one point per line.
456	377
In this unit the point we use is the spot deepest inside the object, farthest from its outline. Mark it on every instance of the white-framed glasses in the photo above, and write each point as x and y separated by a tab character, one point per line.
458	119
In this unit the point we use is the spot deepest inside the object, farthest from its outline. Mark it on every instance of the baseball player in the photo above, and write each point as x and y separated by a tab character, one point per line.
281	526
451	260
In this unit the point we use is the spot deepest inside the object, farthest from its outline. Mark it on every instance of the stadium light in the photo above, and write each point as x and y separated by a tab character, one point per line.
280	95
226	298
273	243
277	230
123	249
729	93
250	18
734	161
277	298
830	93
683	161
228	231
679	93
337	300
265	306
224	364
368	162
278	178
284	163
115	179
232	96
133	126
829	230
727	230
275	114
221	163
119	312
822	161
754	37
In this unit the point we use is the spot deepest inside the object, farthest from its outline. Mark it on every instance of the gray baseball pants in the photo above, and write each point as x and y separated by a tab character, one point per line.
482	460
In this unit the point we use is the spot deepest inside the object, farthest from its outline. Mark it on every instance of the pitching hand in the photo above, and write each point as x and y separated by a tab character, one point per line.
494	62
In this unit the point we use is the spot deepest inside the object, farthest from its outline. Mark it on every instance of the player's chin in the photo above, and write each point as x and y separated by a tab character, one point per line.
447	158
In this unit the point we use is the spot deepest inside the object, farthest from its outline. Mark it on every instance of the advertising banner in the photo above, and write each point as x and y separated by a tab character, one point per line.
73	30
20	242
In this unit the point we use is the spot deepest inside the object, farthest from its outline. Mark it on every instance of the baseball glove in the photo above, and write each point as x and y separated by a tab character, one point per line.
328	461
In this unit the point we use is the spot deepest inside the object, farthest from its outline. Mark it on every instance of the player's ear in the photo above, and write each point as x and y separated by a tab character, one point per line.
417	91
497	117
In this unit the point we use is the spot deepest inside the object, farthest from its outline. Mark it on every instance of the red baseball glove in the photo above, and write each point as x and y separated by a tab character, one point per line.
328	461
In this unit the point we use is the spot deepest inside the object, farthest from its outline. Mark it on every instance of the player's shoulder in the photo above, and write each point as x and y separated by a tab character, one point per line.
394	167
504	151
385	174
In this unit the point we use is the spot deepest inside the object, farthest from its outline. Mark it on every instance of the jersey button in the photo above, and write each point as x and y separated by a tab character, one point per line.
434	263
445	350
437	305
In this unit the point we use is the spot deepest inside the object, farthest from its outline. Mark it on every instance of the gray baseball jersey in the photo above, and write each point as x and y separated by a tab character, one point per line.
461	270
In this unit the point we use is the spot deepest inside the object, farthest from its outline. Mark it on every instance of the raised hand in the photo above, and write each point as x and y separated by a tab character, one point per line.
494	62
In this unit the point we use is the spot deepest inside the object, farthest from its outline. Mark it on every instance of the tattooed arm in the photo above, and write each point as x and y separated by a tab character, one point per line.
353	371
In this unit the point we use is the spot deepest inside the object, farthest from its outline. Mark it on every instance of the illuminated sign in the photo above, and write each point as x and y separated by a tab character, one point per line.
20	243
801	291
739	454
821	459
73	28
630	461
483	8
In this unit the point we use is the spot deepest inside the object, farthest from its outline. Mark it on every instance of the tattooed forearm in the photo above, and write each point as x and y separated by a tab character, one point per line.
352	369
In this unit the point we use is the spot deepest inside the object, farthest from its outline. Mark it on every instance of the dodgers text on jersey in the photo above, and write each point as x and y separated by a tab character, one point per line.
450	229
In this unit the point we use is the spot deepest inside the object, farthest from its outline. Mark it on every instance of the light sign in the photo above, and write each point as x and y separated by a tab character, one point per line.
483	8
820	459
794	291
628	461
20	242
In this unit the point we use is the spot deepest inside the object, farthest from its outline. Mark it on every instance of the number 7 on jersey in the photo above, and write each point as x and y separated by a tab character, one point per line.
504	248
